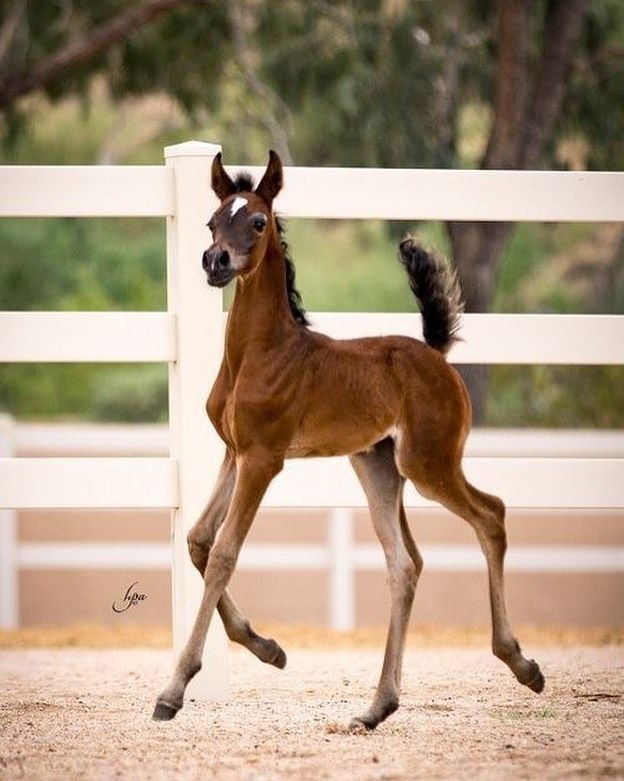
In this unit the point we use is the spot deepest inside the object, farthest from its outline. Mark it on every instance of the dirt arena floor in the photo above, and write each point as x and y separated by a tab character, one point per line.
68	713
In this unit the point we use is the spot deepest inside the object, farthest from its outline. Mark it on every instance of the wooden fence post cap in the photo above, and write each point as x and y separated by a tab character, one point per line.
192	149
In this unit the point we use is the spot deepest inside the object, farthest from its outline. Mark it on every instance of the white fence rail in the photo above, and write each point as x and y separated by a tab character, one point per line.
179	192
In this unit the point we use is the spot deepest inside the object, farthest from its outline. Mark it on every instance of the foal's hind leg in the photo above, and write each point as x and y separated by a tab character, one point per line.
200	540
436	479
383	486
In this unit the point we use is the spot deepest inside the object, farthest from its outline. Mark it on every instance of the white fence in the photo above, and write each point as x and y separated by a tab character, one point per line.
189	337
339	556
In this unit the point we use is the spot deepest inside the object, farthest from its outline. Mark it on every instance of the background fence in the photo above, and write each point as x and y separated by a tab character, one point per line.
179	192
336	553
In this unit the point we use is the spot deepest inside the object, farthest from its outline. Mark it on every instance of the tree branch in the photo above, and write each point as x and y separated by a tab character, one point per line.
446	88
271	100
83	49
9	32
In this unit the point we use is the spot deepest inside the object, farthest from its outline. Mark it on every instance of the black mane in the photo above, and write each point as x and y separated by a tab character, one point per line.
294	296
245	184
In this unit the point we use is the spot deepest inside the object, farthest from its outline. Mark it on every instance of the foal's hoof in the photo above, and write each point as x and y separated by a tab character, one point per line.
537	681
361	724
164	712
375	716
279	658
534	678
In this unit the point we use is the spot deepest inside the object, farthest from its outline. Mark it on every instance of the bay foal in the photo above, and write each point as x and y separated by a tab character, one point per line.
393	405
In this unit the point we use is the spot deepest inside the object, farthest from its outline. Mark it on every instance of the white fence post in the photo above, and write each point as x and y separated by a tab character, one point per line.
9	595
197	448
341	569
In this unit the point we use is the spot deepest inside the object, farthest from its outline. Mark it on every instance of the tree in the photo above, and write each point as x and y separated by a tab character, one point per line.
56	48
398	74
528	97
377	82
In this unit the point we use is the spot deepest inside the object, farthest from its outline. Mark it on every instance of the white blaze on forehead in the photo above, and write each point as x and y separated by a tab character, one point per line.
237	205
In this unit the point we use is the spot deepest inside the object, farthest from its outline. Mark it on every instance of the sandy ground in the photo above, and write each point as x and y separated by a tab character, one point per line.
76	713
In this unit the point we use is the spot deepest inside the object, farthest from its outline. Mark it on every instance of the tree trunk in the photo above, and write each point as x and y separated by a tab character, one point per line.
477	249
527	102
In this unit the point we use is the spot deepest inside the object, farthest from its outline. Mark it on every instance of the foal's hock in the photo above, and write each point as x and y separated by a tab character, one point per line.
393	405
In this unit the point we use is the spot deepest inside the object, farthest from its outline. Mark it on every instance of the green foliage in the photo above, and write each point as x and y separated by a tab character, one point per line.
556	397
594	110
361	84
132	394
352	266
80	264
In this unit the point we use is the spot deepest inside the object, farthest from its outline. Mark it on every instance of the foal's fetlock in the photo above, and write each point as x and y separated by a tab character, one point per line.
507	650
527	671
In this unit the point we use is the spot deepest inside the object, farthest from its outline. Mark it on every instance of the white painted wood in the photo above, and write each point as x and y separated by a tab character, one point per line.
9	602
596	483
428	194
341	569
194	443
136	337
285	557
345	193
86	191
87	482
521	482
519	558
152	439
499	338
150	336
92	439
267	557
545	443
103	555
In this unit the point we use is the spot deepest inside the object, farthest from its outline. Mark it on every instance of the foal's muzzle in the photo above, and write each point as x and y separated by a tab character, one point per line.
217	264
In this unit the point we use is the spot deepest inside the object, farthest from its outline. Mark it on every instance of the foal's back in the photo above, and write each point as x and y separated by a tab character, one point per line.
355	392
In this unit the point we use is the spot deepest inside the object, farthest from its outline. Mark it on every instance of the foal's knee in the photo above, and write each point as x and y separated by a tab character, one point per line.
198	551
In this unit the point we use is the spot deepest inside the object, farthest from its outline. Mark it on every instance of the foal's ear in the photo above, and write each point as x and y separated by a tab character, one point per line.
271	182
220	181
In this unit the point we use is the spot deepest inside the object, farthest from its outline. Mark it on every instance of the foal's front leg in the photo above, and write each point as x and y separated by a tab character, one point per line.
255	472
200	540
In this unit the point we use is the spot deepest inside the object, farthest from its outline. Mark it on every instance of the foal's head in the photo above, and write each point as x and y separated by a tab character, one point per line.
243	224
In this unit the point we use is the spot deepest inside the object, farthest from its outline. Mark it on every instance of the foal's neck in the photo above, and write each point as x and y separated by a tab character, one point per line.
260	317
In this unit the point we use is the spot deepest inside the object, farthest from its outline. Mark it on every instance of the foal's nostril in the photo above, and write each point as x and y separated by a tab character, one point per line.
205	260
222	261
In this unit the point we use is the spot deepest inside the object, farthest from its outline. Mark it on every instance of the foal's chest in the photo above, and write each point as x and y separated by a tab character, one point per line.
243	416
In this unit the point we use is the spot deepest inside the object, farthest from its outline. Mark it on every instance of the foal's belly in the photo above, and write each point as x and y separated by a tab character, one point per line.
339	441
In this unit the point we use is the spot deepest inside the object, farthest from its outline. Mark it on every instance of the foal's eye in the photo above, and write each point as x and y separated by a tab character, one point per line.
211	224
258	222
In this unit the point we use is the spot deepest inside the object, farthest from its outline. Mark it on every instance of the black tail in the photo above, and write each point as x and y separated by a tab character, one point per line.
438	293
